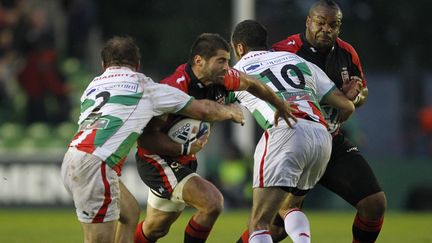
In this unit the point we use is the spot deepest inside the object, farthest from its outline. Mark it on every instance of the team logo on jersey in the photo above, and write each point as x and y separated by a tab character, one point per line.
291	43
252	67
91	91
345	74
181	79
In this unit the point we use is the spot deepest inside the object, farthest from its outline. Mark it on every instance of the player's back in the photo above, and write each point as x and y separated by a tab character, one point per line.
115	107
291	77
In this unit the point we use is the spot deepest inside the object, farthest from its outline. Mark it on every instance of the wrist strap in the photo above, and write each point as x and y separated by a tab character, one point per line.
185	148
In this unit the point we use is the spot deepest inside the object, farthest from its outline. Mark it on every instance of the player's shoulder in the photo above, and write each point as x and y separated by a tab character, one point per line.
346	46
179	78
292	43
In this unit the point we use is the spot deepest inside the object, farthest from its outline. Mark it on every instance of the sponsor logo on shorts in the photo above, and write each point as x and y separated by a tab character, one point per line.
175	166
352	149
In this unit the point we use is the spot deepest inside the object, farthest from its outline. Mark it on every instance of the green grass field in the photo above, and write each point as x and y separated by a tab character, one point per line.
60	225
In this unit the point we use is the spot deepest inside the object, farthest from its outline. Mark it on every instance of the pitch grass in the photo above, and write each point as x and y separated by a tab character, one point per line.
60	225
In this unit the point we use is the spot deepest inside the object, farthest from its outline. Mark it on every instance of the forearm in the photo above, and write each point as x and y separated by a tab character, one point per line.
207	110
338	100
159	143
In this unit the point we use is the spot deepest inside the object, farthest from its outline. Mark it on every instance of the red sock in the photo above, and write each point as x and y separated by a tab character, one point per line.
139	235
366	231
196	233
244	237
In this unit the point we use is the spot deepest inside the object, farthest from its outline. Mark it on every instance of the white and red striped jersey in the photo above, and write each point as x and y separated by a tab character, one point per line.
292	78
115	107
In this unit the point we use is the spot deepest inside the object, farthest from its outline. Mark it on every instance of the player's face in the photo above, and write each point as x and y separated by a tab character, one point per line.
323	27
216	67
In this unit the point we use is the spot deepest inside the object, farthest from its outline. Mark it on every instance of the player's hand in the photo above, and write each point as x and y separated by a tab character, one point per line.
199	143
353	87
237	114
285	112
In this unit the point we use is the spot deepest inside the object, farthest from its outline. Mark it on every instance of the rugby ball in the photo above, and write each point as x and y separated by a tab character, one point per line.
187	130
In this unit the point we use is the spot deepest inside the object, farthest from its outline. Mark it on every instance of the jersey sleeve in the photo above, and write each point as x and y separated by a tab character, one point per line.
232	80
167	99
177	80
291	44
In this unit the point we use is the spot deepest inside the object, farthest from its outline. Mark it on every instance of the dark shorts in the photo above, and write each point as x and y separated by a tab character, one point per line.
162	173
348	174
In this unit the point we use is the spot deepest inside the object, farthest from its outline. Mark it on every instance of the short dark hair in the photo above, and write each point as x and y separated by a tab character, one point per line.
120	50
251	33
207	45
325	3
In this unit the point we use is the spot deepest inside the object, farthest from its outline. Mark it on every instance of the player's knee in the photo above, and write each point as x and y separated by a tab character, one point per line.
213	204
381	203
373	206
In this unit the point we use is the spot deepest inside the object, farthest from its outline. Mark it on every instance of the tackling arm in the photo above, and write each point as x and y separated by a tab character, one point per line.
207	110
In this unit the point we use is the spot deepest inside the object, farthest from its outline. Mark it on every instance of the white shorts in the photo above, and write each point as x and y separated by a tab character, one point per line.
176	203
292	157
94	187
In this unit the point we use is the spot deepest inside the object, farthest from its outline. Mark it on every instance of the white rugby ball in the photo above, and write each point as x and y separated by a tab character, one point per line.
187	129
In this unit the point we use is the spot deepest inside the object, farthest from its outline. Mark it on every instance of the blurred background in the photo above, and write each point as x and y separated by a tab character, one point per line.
49	52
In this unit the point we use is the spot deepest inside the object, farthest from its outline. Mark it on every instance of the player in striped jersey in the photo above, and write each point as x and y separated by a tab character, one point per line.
288	162
115	108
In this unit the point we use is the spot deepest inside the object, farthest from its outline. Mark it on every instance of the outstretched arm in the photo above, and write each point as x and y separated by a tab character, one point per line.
207	110
264	92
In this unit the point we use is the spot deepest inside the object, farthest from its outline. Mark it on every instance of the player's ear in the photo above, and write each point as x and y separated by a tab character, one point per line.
103	65
198	60
308	20
240	50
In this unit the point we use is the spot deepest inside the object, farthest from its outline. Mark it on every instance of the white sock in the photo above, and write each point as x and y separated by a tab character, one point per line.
297	226
260	236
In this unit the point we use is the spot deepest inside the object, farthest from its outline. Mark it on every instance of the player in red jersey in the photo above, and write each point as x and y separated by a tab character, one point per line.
348	173
168	168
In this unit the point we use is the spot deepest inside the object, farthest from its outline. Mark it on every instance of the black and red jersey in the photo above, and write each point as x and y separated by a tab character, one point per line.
184	79
339	64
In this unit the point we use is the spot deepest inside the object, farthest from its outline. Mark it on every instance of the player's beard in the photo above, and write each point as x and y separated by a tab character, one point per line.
218	77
